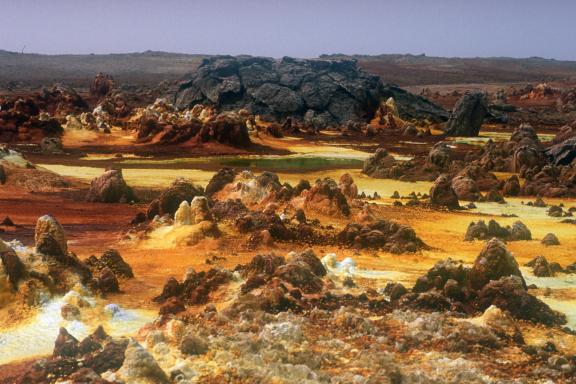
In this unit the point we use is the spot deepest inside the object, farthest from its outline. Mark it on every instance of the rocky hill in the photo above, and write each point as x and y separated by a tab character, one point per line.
319	92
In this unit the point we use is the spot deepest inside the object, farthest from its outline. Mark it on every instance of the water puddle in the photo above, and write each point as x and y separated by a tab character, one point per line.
567	307
494	136
347	267
36	337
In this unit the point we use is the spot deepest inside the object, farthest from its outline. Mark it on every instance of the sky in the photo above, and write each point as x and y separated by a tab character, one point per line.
300	28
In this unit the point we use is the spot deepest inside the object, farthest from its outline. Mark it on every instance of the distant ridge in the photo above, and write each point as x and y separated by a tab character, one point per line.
151	67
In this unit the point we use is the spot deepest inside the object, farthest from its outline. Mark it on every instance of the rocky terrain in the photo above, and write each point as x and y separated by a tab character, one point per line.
259	220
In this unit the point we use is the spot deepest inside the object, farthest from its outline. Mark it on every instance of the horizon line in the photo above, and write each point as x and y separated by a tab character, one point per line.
149	51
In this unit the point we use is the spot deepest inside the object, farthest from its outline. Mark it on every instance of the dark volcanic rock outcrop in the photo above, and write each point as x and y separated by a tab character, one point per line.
468	114
563	153
319	92
414	107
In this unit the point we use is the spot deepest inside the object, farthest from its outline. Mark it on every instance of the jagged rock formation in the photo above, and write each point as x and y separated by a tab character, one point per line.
381	165
347	186
102	85
325	197
226	128
318	92
468	115
34	117
219	180
481	231
563	153
110	187
494	279
382	234
112	260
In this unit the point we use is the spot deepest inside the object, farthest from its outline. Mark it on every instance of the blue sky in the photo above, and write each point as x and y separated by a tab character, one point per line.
302	28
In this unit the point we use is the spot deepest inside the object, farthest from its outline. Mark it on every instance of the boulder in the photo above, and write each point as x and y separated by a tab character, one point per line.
511	186
555	211
50	237
541	267
309	258
468	115
493	196
300	275
440	155
107	282
413	107
442	272
380	165
526	156
550	239
465	188
172	306
494	262
110	187
520	231
111	259
481	231
410	130
395	290
325	197
442	194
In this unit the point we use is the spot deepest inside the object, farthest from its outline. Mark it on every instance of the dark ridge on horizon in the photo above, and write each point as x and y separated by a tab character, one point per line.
151	67
322	56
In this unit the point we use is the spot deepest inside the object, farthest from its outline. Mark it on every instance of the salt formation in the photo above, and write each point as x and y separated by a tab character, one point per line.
182	215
